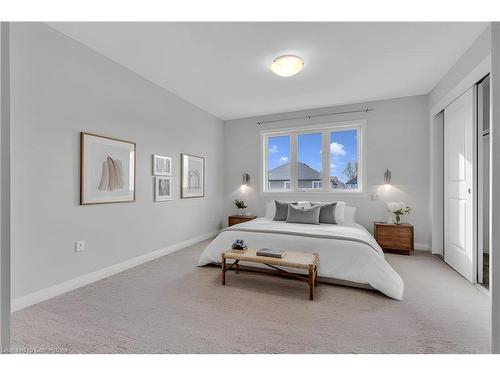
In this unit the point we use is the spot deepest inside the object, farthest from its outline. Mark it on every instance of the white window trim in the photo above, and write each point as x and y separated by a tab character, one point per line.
325	128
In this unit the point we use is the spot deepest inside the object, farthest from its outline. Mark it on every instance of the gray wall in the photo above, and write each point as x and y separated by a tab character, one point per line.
479	50
397	137
5	187
60	88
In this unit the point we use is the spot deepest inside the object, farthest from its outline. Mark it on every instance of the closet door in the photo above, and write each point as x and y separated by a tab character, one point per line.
459	162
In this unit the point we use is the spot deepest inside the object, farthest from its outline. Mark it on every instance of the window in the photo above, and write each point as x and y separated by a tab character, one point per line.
278	162
326	158
344	159
309	161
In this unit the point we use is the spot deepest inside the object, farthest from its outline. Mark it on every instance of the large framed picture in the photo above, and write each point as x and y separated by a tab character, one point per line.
107	170
192	176
164	189
162	166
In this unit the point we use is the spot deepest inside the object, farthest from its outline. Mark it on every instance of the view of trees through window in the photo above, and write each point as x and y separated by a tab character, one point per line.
342	157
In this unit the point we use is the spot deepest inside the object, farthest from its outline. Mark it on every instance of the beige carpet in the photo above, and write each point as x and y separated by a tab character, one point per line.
171	306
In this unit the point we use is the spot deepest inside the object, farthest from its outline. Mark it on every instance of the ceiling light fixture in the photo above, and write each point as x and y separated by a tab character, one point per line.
287	65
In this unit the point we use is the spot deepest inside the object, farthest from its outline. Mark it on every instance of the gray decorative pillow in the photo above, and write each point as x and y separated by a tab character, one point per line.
303	215
282	210
327	212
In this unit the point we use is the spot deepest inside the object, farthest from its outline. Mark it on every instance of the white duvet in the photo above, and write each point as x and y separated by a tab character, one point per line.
347	251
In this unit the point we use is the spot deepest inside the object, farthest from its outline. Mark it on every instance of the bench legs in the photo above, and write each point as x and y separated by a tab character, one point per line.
312	281
223	266
312	278
236	265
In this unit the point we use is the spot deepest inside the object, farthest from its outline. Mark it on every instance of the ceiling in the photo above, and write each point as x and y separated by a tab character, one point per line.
223	68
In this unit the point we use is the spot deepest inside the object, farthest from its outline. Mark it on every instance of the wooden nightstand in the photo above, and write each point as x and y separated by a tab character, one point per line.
237	219
394	238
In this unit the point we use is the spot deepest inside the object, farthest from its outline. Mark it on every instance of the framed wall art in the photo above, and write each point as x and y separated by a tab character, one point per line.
162	166
107	170
192	176
164	188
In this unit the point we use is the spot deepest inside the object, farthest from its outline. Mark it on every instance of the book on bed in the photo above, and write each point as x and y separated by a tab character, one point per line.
272	253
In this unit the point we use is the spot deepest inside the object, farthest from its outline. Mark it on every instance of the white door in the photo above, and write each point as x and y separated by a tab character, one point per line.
459	138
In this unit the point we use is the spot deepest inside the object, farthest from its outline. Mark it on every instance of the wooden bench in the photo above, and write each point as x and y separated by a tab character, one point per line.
292	259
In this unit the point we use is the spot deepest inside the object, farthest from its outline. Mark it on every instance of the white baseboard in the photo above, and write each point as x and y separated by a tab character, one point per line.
67	286
422	246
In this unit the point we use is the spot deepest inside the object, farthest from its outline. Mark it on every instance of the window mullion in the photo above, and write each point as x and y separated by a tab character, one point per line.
325	137
293	163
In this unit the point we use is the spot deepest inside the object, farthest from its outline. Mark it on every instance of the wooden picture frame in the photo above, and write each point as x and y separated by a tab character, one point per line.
192	176
107	169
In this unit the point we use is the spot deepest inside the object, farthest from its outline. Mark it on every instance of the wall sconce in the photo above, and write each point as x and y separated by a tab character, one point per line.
245	179
387	177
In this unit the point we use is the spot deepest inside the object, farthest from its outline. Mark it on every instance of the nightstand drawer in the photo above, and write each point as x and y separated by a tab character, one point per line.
388	242
394	238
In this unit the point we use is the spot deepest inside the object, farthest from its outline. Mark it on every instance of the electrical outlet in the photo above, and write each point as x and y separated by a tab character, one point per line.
79	246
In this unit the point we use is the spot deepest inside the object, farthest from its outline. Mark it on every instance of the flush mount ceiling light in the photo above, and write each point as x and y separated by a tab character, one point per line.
287	66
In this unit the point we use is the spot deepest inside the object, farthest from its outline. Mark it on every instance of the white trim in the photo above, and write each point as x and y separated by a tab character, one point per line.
67	286
479	72
325	129
422	246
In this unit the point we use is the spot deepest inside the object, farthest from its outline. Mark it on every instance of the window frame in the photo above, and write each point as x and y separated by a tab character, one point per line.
326	129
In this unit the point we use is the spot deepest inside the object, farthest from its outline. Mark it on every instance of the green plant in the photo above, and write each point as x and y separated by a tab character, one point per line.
241	205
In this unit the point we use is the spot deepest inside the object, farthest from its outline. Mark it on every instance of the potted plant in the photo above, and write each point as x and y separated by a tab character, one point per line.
399	209
240	205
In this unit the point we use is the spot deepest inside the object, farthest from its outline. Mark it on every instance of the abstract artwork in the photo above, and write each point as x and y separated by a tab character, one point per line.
193	176
164	189
107	170
162	166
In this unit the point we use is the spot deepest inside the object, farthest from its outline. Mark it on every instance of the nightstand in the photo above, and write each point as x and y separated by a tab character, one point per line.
394	238
237	219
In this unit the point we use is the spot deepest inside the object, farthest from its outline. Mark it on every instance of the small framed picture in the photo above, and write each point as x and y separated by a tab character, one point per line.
164	189
162	166
192	176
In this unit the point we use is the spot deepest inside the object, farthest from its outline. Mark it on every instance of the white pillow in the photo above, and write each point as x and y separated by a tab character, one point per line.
340	212
271	207
349	214
270	210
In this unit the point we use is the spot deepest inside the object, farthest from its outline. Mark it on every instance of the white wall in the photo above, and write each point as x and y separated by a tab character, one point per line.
397	137
60	88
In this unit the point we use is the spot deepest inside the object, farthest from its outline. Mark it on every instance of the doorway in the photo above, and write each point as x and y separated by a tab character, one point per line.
466	183
483	182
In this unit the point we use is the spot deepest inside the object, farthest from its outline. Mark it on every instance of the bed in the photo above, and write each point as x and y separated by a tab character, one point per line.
348	253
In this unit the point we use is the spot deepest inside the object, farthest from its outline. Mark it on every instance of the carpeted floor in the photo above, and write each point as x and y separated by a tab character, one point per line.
171	306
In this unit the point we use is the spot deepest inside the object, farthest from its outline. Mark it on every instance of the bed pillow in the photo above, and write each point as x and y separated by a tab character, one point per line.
281	210
303	215
339	210
350	214
271	208
327	212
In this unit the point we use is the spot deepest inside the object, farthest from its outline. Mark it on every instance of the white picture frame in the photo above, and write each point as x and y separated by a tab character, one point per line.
107	170
192	176
164	188
162	166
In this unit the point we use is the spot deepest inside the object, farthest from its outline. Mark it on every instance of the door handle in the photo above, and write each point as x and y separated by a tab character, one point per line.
469	190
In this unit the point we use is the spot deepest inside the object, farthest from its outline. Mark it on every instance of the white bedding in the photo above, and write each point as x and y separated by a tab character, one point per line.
347	251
